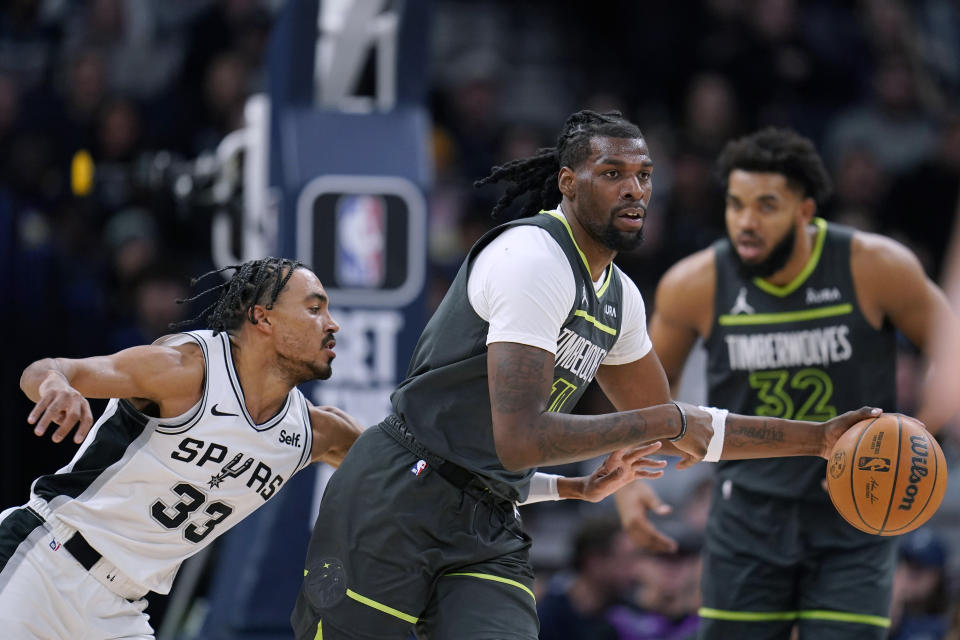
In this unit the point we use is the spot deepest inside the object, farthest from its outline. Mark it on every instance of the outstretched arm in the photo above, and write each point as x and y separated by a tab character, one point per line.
170	377
744	437
618	470
527	435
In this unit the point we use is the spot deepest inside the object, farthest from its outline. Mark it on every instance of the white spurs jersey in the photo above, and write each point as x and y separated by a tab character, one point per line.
148	493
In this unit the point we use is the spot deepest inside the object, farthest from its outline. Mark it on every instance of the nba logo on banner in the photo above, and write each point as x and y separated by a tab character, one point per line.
361	224
365	237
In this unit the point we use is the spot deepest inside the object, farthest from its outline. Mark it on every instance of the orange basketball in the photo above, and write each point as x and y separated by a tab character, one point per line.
887	475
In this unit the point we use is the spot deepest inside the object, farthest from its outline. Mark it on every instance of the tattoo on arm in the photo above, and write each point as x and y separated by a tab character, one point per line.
564	438
522	379
741	435
518	371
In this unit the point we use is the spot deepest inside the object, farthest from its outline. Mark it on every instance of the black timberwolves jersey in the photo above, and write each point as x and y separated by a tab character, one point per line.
803	351
445	400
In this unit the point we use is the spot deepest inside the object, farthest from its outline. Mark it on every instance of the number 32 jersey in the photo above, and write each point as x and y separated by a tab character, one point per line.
147	493
802	351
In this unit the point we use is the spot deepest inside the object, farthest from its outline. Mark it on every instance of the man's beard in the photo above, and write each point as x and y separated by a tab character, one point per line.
620	240
614	239
321	371
777	259
301	371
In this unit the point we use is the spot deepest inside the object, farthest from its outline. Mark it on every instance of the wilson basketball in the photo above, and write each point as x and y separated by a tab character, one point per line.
887	475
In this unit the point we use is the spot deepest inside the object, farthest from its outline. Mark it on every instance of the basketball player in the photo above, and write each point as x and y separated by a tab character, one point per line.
798	317
417	528
203	428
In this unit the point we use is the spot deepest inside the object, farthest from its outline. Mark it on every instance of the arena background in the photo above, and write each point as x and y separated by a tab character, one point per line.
145	141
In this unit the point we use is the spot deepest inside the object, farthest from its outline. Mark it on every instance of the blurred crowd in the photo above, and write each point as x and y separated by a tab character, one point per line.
131	88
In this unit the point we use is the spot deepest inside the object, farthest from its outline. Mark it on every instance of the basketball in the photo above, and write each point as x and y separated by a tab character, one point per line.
887	475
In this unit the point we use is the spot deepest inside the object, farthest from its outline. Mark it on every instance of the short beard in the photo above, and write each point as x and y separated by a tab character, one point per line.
320	372
300	372
618	241
777	259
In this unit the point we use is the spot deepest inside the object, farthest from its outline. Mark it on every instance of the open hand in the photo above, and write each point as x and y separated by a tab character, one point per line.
62	404
635	502
621	468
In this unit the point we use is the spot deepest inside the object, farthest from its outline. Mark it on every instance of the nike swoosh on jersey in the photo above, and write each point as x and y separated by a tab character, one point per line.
214	411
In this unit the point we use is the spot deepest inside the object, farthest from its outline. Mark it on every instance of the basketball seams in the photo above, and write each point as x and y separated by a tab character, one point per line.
863	492
856	452
896	476
933	488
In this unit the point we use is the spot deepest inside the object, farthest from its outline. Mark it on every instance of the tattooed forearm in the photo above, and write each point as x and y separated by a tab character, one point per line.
526	434
763	437
564	438
743	435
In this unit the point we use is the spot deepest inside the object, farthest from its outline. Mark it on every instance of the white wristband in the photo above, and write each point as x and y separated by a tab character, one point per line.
719	423
543	486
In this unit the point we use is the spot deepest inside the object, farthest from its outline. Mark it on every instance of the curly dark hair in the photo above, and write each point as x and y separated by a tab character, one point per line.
780	151
535	178
253	282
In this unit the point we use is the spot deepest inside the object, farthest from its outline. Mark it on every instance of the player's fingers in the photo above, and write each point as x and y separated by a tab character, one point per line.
865	412
645	450
648	462
38	410
42	424
66	422
652	502
86	421
614	457
52	413
603	479
648	474
646	536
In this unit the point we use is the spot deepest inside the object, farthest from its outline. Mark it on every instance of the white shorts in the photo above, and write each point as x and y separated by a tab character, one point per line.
47	594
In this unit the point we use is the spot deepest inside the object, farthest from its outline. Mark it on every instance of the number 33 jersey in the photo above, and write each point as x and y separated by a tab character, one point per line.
147	493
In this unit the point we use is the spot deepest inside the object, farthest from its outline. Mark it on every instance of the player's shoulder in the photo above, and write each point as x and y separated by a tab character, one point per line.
876	251
528	237
698	270
885	272
521	249
177	352
686	291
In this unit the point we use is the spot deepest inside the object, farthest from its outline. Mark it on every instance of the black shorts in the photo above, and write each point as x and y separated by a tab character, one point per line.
398	547
770	563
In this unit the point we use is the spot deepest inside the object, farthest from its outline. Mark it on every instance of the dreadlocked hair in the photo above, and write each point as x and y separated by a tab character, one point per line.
534	179
253	282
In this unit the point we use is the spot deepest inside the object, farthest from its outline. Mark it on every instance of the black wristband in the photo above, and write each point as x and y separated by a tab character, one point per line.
683	422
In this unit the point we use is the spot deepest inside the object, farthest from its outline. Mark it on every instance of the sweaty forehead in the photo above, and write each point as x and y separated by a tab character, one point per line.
603	149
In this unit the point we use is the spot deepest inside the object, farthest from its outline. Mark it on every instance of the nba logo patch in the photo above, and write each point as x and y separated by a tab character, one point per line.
361	241
418	468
